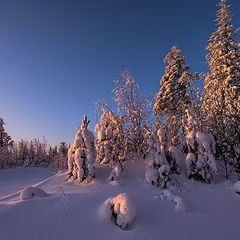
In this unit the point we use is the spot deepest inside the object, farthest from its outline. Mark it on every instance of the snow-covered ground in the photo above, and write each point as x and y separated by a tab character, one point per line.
72	210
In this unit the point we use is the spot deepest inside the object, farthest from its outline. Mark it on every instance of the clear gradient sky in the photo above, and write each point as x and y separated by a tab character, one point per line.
59	57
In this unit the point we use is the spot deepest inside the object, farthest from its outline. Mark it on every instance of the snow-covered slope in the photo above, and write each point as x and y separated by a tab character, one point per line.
71	211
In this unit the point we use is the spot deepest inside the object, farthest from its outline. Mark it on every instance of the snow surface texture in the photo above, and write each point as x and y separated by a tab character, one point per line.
32	192
73	215
122	209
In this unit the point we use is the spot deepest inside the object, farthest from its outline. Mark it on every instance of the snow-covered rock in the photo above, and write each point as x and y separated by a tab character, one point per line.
32	192
121	209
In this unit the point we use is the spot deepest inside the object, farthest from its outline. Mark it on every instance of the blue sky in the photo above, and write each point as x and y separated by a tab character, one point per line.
59	57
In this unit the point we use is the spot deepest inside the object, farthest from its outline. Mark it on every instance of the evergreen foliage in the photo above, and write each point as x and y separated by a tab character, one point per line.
221	104
175	94
82	154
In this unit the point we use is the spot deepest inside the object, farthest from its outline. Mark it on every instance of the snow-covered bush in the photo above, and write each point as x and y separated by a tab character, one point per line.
121	209
168	150
32	192
163	160
236	187
152	175
110	142
200	160
82	154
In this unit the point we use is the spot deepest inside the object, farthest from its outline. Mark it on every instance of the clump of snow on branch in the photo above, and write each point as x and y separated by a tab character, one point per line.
32	192
200	160
121	209
82	154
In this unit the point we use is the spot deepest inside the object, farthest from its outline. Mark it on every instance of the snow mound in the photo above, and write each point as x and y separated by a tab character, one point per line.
32	192
121	209
236	187
179	203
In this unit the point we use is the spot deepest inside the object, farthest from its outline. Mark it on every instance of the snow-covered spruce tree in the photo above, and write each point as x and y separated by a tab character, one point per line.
82	154
200	160
135	110
157	161
163	162
221	103
110	141
5	142
175	94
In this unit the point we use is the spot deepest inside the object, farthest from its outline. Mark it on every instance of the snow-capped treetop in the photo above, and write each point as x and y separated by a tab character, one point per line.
85	122
222	84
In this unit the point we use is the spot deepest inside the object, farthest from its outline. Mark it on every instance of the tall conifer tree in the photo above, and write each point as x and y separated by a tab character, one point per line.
174	95
221	102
